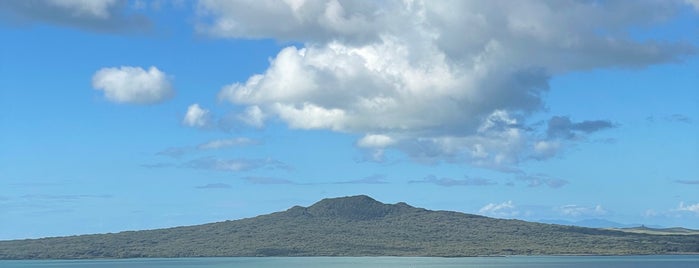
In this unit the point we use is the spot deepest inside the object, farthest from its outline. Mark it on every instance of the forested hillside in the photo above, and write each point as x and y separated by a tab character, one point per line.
353	226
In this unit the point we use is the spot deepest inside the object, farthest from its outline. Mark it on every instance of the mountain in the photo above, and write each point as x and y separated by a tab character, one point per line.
353	226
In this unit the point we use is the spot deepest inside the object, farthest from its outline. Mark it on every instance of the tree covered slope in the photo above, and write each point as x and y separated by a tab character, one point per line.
353	226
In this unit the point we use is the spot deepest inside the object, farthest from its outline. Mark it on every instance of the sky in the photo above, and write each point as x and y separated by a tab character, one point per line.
130	115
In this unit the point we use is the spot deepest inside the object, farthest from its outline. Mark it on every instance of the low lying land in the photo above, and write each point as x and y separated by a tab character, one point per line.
355	226
659	231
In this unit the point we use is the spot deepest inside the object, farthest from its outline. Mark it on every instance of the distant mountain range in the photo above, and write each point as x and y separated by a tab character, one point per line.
354	226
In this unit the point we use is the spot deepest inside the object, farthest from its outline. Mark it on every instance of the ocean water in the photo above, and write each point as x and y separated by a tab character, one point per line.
684	261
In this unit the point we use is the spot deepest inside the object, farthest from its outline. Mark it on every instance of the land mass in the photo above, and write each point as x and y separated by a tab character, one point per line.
658	231
354	226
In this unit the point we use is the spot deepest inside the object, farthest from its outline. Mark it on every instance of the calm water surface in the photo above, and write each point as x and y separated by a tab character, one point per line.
378	262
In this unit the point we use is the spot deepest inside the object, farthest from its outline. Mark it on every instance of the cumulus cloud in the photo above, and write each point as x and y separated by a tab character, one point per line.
253	116
581	211
374	145
135	85
93	15
196	117
505	209
448	182
375	141
452	80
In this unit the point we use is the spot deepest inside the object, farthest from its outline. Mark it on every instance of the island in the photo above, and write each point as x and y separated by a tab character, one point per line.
355	226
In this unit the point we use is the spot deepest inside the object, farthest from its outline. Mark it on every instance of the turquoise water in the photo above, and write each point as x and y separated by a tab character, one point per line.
378	262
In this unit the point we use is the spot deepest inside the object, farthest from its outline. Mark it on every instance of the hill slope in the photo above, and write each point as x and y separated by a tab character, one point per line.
353	226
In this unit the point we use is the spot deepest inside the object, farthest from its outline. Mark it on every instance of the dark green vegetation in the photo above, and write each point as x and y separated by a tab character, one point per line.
353	226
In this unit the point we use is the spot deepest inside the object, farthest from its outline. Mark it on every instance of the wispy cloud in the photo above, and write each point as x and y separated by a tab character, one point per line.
687	182
672	118
679	118
563	127
535	180
225	143
63	198
448	182
235	165
374	179
581	211
41	183
214	186
266	180
158	165
177	152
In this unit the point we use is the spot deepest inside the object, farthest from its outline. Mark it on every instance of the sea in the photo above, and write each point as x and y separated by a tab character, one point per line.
674	261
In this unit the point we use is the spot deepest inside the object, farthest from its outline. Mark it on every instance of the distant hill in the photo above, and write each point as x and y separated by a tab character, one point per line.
353	226
659	231
594	223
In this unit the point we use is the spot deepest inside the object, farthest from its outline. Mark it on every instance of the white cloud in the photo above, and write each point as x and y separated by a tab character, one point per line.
310	116
196	116
375	141
375	144
314	20
505	209
694	208
128	84
694	3
451	80
581	211
546	149
253	116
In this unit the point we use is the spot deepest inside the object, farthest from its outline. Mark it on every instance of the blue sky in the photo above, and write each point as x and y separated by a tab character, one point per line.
129	115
